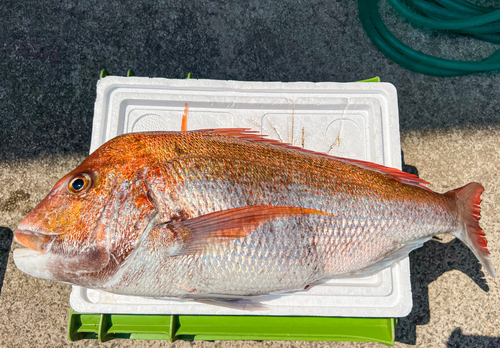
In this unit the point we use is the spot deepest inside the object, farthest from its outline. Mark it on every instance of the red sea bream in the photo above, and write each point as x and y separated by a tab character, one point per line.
228	213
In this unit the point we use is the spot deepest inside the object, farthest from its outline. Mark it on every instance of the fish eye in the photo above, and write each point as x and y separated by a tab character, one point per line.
77	184
80	184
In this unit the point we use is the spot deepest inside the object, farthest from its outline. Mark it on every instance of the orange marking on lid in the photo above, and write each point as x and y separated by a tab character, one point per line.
184	126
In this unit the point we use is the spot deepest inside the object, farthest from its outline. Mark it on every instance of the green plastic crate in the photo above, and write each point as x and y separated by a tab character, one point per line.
105	327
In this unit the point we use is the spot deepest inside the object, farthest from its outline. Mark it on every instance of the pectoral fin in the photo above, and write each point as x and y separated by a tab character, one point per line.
226	225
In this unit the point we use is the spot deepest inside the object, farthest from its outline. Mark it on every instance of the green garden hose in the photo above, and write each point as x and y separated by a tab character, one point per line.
458	16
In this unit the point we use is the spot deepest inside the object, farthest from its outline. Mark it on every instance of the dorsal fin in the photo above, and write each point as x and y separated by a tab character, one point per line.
248	134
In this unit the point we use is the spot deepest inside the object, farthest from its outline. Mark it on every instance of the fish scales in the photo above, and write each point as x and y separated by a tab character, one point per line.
228	213
205	184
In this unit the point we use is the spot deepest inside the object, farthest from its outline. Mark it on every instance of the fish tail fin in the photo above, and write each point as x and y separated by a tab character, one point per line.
472	235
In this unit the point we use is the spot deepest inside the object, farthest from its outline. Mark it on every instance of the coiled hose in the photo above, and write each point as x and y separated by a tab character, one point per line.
458	16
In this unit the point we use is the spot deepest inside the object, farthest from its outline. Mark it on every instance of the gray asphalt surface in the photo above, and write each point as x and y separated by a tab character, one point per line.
51	55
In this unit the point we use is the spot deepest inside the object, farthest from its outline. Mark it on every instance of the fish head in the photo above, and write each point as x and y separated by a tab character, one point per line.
89	222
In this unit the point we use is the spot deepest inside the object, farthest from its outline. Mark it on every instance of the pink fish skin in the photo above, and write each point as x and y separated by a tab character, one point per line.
227	212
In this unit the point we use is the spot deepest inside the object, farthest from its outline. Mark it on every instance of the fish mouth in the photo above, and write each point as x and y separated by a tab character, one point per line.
36	241
37	260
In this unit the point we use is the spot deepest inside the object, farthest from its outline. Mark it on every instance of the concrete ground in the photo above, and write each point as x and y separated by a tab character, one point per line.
49	64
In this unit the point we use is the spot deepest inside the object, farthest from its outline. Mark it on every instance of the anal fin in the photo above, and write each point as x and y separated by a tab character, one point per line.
388	260
233	303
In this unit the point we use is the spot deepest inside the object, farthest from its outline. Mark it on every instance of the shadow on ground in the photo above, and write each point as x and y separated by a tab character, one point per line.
426	265
459	340
6	237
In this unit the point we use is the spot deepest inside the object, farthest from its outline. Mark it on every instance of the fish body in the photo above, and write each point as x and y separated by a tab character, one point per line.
227	212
